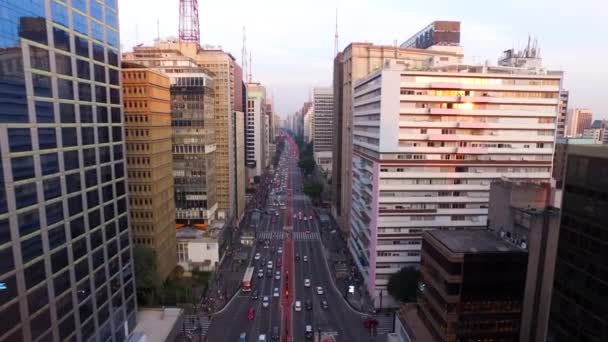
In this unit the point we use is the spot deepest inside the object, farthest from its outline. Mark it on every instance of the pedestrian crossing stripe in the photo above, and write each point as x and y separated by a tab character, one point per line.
303	236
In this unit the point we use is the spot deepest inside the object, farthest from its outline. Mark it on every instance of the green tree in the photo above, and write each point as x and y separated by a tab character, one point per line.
307	164
403	285
313	190
146	276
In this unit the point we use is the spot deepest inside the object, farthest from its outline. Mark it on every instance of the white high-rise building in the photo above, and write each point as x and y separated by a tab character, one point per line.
255	130
427	144
308	125
322	126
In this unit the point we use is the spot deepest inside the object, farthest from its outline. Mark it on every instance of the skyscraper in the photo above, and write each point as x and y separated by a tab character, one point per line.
67	271
148	135
427	144
579	310
323	103
255	129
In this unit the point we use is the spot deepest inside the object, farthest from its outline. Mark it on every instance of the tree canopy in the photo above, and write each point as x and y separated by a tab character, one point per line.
313	189
403	285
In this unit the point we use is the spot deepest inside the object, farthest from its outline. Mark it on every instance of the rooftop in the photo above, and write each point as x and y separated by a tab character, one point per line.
472	241
157	325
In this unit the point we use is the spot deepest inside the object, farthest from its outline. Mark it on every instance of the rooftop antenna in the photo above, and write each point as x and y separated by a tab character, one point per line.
189	29
336	35
244	53
250	67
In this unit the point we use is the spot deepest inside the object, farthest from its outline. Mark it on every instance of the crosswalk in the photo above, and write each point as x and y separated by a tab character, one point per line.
195	325
271	235
303	236
385	323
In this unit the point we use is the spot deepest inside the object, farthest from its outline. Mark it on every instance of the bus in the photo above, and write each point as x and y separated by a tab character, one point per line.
246	284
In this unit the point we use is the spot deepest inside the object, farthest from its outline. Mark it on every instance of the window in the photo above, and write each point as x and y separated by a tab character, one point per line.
61	39
116	115
102	114
42	85
82	46
75	205
84	92
54	213
114	96
51	188
39	58
91	178
67	113
86	114
77	227
70	160
47	138
23	168
103	135
104	154
89	156
113	76
45	112
96	10
19	139
26	195
101	95
116	134
28	222
98	53
56	237
88	136
69	136
34	274
65	89
63	64
80	23
83	69
72	182
59	13
97	30
31	248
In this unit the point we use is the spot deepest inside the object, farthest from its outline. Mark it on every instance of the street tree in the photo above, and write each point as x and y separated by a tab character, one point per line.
403	285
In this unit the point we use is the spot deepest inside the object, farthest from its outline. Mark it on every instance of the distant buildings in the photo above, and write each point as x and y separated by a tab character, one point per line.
433	169
323	126
309	132
563	114
473	286
579	310
437	33
578	119
598	132
147	106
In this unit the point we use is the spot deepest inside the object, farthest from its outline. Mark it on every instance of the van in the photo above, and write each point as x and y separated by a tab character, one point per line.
298	306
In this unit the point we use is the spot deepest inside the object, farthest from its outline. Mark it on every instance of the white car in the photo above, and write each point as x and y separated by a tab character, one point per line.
265	301
262	338
269	266
280	251
305	218
306	258
260	273
295	216
298	306
319	290
307	282
277	275
257	256
276	292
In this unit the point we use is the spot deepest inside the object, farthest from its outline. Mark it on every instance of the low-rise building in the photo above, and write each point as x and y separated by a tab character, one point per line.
197	249
157	325
473	286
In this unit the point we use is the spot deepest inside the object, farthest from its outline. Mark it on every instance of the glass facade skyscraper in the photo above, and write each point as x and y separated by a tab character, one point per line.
66	271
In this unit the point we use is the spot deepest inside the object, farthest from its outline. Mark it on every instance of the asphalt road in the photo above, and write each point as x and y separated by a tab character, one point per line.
338	319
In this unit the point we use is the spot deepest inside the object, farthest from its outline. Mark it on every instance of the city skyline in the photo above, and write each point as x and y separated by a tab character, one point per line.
305	50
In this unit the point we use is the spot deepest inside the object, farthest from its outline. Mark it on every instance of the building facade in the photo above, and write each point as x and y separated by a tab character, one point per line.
255	130
598	132
65	244
309	118
323	102
146	102
578	120
578	308
563	114
473	286
521	213
239	155
357	61
458	129
197	250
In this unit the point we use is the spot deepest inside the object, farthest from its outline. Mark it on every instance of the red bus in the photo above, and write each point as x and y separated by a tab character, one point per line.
246	284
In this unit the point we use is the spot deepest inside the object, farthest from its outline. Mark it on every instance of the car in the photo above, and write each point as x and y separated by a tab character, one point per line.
306	282
276	214
308	332
260	273
319	290
265	301
269	265
310	217
297	257
279	264
268	273
324	304
305	258
257	256
295	216
275	333
243	337
251	314
254	295
277	275
262	338
305	218
280	250
308	304
297	306
276	292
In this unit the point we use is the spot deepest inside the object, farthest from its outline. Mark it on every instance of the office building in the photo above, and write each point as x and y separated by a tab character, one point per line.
597	132
255	129
65	244
521	213
147	107
458	129
473	286
579	310
559	161
194	132
355	62
323	101
577	120
309	118
563	114
239	155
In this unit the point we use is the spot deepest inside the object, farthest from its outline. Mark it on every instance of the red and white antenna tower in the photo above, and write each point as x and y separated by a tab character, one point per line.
189	30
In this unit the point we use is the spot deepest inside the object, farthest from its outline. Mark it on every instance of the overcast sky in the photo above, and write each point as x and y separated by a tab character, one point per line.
292	42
